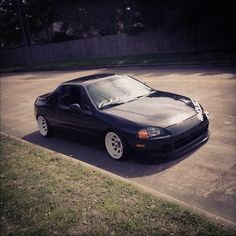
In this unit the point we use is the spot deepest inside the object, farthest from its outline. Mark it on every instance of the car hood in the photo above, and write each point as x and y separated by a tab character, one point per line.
160	109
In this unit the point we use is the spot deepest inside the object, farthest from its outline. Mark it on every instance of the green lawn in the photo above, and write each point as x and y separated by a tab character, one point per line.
45	194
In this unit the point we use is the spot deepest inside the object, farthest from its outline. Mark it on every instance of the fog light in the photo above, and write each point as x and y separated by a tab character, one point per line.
140	145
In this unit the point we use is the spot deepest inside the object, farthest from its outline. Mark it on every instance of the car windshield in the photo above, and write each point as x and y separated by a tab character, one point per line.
117	90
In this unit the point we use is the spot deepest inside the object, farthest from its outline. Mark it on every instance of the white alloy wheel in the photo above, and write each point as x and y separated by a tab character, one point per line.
114	145
43	126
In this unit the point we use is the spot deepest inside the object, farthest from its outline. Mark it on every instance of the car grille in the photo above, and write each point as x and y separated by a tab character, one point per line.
184	141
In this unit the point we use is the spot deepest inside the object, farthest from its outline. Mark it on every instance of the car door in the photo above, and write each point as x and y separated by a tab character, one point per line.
76	121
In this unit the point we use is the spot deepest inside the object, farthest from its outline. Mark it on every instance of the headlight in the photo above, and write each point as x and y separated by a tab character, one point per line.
207	115
150	133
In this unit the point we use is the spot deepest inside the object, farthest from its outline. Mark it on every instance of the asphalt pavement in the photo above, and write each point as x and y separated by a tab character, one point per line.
204	178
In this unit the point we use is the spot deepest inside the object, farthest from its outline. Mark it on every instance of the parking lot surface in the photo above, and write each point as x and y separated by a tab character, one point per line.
205	178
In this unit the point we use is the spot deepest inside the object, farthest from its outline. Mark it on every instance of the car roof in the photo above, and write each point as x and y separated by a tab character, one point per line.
88	79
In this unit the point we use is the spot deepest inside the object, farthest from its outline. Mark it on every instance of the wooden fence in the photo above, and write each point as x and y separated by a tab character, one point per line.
178	40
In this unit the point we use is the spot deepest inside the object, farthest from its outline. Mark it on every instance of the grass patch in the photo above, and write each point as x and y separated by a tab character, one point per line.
43	194
160	59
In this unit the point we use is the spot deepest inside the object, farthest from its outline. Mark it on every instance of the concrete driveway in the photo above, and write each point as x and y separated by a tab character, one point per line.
205	177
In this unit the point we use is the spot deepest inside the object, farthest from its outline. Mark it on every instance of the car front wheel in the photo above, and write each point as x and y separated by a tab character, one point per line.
43	126
115	146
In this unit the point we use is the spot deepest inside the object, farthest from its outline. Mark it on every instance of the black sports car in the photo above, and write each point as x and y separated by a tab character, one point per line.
126	113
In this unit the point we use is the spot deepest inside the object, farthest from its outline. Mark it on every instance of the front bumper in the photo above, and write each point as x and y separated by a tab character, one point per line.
172	146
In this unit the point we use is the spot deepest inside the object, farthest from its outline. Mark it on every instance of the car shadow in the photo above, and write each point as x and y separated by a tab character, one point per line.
89	151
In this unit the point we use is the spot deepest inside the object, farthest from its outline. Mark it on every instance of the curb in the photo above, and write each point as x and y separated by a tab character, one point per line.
215	218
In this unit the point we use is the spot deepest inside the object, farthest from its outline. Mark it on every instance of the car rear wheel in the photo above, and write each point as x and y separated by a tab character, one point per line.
43	126
115	146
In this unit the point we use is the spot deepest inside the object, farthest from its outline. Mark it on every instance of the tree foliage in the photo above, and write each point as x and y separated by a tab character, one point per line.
9	24
86	18
37	16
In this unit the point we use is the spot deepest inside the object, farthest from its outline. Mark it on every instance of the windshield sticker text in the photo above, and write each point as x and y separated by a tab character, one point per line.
117	99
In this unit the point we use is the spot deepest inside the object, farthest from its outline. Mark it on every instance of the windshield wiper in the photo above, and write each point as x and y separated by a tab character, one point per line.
118	103
112	104
145	95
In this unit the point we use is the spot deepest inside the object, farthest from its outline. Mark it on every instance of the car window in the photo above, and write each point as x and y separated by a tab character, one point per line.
70	94
86	104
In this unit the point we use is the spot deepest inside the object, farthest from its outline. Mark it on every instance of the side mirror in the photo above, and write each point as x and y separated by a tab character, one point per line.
75	107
